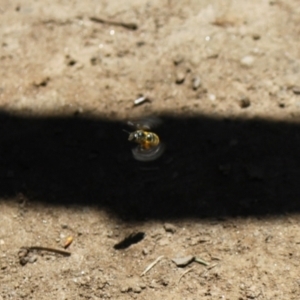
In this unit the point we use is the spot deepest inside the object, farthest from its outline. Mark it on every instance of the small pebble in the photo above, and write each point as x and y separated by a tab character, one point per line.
244	102
32	259
164	281
23	252
169	228
140	43
68	242
212	97
256	36
247	61
180	77
196	82
24	260
178	59
183	261
145	251
137	289
41	82
95	60
125	289
296	90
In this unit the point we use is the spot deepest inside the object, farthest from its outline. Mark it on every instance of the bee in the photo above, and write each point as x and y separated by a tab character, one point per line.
149	145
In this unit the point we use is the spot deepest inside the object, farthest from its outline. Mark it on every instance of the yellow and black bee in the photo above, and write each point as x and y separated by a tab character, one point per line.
149	145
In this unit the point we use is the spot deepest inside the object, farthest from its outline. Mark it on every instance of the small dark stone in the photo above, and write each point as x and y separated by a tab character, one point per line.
244	102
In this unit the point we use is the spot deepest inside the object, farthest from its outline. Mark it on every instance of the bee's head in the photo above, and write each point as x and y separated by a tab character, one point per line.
135	136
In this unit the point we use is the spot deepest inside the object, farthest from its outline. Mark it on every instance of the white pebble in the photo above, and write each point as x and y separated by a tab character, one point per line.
212	97
196	82
247	61
183	261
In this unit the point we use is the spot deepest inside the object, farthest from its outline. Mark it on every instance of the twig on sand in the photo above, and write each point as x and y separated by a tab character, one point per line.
25	253
184	273
212	266
201	261
152	265
40	248
141	100
131	26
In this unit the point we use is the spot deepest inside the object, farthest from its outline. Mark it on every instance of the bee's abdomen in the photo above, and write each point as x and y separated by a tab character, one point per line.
151	140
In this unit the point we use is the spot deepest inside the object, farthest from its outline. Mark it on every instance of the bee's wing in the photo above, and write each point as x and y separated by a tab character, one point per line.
148	154
145	123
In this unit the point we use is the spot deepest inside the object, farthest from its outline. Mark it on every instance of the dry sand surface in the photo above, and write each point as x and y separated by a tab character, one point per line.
223	76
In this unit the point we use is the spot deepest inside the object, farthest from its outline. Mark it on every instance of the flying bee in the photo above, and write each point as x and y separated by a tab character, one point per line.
145	139
149	145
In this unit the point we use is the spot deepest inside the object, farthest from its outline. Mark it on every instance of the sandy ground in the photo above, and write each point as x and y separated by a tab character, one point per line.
224	76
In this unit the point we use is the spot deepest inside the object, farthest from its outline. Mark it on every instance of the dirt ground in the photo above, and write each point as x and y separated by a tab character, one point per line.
224	76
